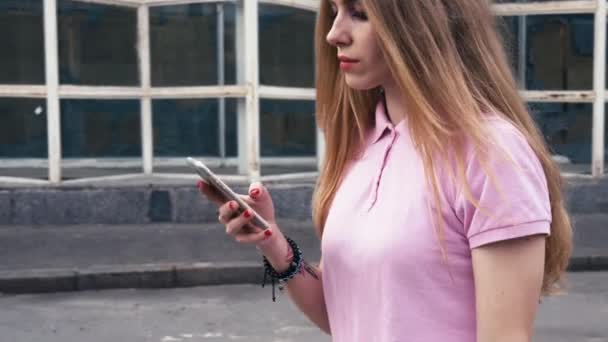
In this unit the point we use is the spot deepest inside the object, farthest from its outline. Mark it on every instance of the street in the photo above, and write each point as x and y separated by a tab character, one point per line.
242	313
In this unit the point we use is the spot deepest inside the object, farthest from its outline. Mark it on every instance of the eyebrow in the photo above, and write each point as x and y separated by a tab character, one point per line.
346	2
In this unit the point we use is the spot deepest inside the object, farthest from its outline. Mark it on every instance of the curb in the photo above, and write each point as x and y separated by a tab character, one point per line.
170	276
588	263
130	276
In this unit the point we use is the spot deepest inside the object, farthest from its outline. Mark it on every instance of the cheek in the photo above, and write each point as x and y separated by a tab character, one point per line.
375	56
381	71
376	64
376	69
372	47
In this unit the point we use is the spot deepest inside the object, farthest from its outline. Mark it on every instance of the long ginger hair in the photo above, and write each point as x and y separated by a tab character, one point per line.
451	67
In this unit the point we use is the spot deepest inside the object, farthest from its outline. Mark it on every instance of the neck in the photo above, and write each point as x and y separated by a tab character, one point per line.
395	104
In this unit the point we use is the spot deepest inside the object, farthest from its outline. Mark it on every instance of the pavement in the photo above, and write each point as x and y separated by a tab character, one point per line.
85	257
82	257
244	313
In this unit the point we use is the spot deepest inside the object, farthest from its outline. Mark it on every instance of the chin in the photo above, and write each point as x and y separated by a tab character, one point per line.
359	83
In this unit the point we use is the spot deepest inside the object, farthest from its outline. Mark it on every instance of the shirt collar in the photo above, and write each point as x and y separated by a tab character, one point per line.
382	123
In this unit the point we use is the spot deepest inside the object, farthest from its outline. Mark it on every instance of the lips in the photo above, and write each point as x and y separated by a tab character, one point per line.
347	63
347	60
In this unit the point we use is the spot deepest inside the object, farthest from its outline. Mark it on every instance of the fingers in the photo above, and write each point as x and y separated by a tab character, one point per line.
241	228
211	192
258	192
254	238
244	231
238	224
228	211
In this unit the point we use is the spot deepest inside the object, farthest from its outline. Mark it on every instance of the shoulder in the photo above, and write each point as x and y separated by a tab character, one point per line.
504	153
507	187
504	136
505	150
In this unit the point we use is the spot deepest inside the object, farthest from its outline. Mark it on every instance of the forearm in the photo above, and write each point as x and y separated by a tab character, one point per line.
306	291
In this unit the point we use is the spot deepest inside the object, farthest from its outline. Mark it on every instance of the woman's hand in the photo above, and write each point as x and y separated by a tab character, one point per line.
271	242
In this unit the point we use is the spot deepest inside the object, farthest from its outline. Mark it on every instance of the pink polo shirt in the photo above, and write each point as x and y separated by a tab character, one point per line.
383	275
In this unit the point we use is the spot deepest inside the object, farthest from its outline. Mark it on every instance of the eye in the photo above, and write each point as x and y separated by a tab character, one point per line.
334	12
359	15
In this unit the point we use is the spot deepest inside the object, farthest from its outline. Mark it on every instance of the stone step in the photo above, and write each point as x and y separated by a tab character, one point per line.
77	257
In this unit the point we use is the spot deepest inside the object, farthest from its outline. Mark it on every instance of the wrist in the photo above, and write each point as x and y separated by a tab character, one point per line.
288	266
280	255
282	263
293	258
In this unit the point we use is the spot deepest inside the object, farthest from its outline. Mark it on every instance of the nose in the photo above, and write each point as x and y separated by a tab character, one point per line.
339	34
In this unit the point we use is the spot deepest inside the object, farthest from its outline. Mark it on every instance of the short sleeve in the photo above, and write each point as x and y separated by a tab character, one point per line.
511	190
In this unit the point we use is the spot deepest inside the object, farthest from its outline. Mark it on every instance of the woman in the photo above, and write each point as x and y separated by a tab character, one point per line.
438	205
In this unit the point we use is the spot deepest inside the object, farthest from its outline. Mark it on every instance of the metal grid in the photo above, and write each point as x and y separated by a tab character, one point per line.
248	92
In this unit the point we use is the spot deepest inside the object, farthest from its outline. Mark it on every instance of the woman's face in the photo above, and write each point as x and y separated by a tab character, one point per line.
360	57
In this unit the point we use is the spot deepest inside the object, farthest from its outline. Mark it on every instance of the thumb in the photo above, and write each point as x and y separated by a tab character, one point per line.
258	192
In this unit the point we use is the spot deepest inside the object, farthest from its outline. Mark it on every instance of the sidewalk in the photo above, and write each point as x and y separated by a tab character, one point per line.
81	257
84	257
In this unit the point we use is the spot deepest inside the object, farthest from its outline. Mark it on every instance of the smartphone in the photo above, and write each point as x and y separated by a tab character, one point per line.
229	195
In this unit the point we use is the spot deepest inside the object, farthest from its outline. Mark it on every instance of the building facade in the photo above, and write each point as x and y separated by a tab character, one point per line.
92	89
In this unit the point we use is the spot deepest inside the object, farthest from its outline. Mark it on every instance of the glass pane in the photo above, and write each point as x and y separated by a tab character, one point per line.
567	129
190	127
229	44
606	143
232	136
22	37
559	52
100	128
286	46
184	44
97	44
288	128
508	30
23	128
23	135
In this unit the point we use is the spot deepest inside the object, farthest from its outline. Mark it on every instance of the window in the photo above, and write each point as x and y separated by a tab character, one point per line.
97	44
22	135
191	127
286	46
287	128
558	50
184	45
559	55
23	128
22	37
567	129
100	128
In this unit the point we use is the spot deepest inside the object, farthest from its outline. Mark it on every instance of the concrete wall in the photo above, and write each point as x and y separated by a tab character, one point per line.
131	205
183	203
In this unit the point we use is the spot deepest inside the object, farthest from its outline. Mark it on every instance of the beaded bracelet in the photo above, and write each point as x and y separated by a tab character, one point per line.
294	268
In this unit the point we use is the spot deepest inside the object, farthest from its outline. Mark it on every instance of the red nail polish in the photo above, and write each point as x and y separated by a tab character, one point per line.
255	193
247	214
267	232
231	205
199	184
